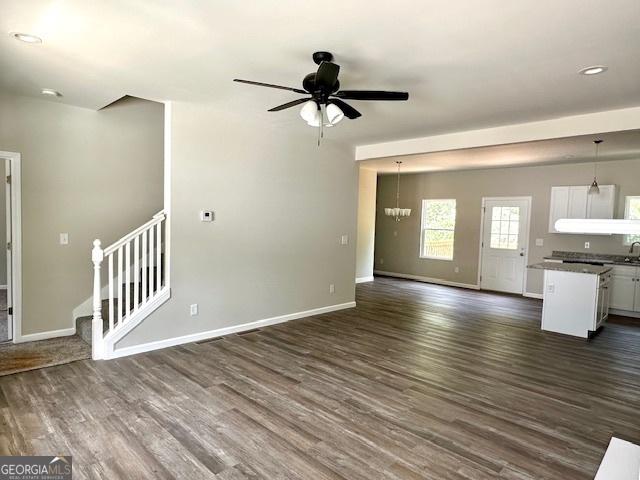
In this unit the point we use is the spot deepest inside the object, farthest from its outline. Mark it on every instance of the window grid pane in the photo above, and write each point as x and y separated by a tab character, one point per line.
633	213
505	228
438	226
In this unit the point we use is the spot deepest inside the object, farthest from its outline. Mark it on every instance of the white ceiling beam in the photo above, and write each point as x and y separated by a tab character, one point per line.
590	123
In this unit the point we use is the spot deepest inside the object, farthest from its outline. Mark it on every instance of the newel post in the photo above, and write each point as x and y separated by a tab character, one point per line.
97	255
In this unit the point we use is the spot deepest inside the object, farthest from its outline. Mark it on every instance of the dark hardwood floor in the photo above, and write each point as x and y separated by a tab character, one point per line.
418	382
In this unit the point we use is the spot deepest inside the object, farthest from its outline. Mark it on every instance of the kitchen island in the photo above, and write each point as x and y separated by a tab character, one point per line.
575	298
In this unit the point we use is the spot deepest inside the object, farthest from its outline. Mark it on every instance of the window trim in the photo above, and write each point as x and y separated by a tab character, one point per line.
425	202
627	206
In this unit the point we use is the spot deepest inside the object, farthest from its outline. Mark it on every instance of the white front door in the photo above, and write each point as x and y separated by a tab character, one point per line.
505	231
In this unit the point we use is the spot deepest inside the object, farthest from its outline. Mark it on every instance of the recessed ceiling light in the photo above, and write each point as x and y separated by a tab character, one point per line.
593	70
50	92
26	37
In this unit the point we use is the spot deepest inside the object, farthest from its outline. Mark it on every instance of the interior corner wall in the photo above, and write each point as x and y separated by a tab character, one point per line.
400	253
91	174
366	224
281	205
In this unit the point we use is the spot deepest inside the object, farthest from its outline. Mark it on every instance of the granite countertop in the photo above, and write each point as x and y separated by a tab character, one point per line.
634	260
572	267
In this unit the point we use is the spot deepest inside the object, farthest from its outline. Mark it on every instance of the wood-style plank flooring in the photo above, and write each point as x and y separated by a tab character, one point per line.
418	382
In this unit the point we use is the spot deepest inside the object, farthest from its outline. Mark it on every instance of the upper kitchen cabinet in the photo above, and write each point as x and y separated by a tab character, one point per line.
575	202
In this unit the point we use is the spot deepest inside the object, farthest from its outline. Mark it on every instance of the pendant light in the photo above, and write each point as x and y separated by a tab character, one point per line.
594	189
397	212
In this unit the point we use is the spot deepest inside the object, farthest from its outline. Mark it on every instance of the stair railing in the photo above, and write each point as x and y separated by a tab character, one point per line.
128	292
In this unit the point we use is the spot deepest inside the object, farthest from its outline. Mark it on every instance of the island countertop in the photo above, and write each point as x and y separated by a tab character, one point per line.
572	267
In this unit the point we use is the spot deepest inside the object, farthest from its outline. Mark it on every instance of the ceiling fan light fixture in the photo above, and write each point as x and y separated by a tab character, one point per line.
334	114
310	112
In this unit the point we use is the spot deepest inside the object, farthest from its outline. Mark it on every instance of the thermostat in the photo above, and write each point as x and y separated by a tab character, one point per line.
206	216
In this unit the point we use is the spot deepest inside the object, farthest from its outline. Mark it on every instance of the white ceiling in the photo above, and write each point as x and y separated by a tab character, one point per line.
466	63
616	146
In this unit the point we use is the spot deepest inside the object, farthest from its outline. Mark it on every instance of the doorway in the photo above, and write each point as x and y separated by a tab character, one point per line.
504	243
10	260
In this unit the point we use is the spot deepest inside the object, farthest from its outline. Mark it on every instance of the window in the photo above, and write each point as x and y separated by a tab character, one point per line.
632	212
438	225
505	227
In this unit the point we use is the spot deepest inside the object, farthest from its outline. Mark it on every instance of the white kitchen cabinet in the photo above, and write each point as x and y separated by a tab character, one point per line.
575	303
577	207
575	202
623	288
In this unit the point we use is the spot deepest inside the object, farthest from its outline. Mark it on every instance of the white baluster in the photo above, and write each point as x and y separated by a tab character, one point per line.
120	291
158	256
151	263
111	291
144	267
136	273
97	255
127	275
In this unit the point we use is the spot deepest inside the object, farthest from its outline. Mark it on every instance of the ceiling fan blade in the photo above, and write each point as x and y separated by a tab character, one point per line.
347	109
289	104
260	84
327	75
371	95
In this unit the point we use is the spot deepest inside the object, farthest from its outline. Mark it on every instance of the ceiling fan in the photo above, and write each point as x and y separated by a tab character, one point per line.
325	107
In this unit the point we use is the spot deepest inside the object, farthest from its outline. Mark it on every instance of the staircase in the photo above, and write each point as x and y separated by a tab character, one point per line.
137	281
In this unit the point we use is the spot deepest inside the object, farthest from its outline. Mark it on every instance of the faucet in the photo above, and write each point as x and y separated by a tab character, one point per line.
631	248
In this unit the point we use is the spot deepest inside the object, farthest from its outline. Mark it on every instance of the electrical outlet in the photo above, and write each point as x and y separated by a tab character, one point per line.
539	242
64	239
551	288
587	245
332	288
456	270
382	261
193	309
395	233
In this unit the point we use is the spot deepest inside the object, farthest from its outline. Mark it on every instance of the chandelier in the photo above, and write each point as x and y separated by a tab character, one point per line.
397	212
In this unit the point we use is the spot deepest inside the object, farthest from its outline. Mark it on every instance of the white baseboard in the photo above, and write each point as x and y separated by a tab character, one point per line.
364	279
624	313
532	295
33	337
196	337
420	278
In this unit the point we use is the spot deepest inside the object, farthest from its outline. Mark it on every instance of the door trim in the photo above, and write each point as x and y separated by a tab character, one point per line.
14	160
529	201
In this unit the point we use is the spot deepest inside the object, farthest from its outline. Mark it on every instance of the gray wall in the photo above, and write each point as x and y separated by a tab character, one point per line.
366	222
91	174
281	205
400	253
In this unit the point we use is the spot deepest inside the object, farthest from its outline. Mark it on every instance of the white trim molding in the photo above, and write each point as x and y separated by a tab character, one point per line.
420	278
220	332
15	162
33	337
364	279
533	295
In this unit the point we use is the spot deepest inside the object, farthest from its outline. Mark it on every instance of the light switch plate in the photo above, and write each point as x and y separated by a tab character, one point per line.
344	240
539	242
332	288
193	309
206	216
64	239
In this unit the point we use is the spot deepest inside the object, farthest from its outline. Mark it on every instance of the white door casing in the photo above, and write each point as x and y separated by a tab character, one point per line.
504	243
7	166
